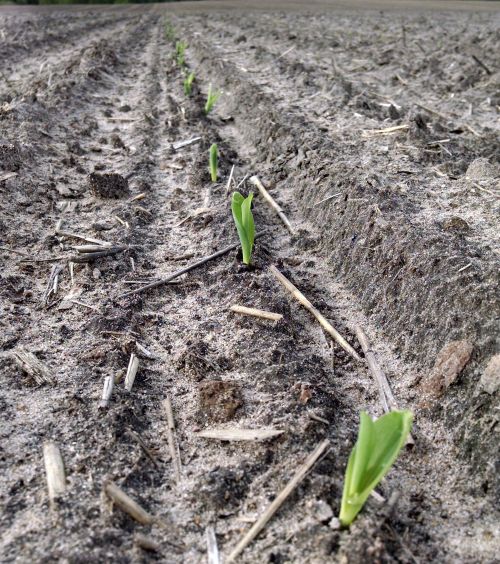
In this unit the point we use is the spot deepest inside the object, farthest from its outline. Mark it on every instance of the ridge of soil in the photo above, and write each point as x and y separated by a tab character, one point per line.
395	232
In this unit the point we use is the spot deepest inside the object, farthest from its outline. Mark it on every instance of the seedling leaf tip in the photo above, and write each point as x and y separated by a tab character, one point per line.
212	162
375	451
243	218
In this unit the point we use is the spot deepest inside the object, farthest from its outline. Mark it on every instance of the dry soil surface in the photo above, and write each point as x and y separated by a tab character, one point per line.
377	133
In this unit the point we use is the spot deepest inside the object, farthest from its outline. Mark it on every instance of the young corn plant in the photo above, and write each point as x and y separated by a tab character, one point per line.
375	451
212	162
212	97
169	31
180	53
243	218
188	84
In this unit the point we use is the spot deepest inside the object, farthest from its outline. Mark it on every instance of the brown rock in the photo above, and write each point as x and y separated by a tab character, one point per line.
108	185
490	378
219	400
450	361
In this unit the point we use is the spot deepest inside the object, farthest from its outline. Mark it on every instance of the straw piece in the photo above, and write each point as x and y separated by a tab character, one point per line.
256	312
385	130
239	434
186	269
172	443
133	366
30	364
327	326
386	396
276	207
107	390
54	470
127	504
278	502
212	549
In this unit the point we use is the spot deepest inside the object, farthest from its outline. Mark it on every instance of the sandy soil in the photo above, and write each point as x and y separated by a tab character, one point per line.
377	132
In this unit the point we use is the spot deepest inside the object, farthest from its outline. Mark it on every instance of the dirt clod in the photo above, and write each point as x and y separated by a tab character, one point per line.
219	400
450	362
108	185
490	378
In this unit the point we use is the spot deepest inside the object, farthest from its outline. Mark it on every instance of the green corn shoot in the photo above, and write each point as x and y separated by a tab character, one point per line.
188	84
180	52
243	218
212	97
212	162
375	451
169	31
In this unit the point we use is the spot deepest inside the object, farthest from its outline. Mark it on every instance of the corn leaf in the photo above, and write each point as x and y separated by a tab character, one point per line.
212	162
243	218
378	445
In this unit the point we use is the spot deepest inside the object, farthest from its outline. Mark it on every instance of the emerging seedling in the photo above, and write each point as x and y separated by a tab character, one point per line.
188	84
243	218
212	97
375	451
212	162
169	31
180	52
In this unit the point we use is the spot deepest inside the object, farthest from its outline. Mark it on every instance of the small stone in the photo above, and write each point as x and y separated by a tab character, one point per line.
335	524
108	185
219	400
490	378
481	169
321	511
450	362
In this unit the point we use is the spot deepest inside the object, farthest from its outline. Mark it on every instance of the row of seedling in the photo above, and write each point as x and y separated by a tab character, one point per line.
379	442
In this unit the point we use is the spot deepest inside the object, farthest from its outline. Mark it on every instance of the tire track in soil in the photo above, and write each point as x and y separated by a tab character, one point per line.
17	81
77	372
44	37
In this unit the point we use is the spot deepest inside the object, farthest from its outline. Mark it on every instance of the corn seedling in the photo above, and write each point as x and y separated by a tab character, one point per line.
169	31
188	84
180	53
375	451
212	97
212	162
243	218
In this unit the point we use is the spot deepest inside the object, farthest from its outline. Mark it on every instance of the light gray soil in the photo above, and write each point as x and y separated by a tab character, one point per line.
396	231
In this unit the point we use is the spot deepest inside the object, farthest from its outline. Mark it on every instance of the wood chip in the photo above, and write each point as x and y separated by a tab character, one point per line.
235	434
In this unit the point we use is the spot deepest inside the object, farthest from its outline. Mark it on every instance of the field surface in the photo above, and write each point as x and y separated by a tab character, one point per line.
377	132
